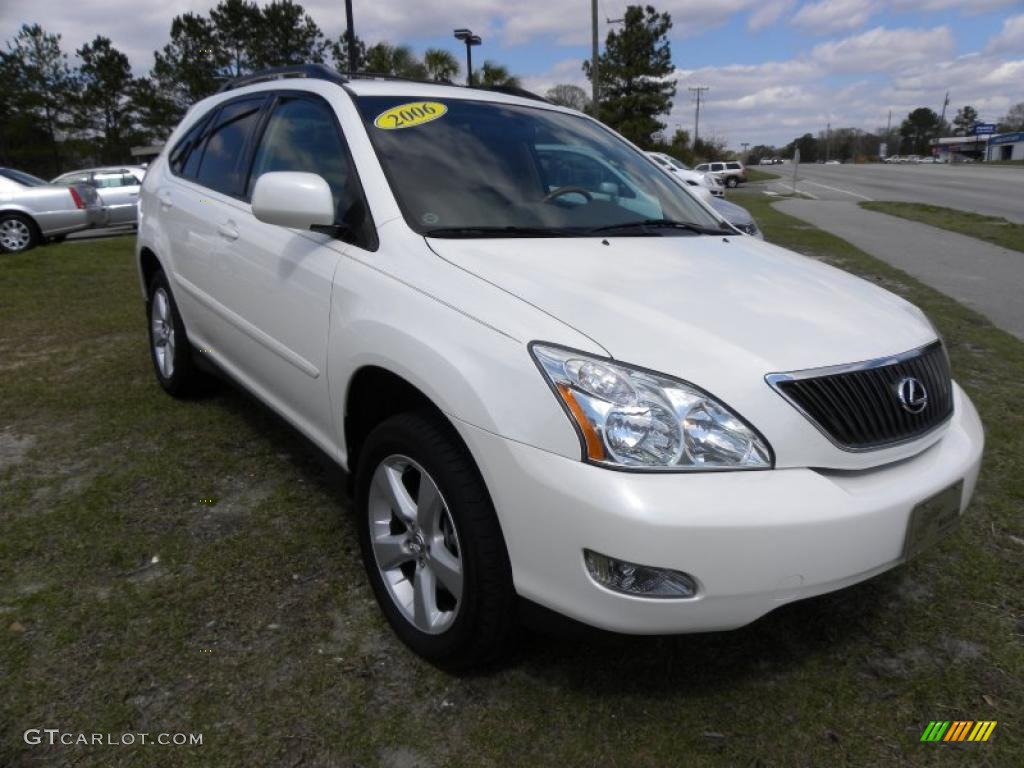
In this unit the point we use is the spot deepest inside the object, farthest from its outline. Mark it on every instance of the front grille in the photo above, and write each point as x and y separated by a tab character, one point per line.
858	406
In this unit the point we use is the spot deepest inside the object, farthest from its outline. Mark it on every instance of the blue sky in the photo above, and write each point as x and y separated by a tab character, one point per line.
777	68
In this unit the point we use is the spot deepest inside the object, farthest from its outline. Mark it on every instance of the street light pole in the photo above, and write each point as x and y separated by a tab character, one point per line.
350	34
467	36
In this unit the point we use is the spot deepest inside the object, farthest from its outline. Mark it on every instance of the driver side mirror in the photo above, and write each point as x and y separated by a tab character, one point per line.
293	199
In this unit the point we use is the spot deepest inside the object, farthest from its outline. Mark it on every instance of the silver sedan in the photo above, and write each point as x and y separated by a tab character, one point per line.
117	186
32	211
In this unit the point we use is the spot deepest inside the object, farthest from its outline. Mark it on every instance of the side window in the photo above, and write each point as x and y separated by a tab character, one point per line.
223	163
733	166
114	179
302	135
73	178
717	167
183	150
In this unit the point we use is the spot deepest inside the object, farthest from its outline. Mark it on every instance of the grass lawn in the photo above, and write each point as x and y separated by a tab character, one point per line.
994	229
756	174
191	567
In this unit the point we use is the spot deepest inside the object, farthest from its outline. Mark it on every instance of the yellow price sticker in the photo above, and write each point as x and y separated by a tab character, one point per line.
410	115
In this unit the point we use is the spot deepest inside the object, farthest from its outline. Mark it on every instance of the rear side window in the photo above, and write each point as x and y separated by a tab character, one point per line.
717	167
302	135
733	166
105	180
190	146
223	165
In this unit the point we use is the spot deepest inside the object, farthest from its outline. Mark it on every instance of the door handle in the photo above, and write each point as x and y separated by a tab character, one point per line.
165	200
228	231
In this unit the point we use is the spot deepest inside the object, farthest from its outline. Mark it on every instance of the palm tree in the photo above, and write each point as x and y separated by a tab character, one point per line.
386	59
496	74
440	65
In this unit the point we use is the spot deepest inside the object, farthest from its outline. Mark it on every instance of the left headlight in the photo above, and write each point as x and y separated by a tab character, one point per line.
630	418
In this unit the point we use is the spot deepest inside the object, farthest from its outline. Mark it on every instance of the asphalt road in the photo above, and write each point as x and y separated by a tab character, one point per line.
983	276
991	190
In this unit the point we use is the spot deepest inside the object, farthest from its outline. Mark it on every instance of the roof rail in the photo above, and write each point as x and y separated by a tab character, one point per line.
323	72
512	90
313	71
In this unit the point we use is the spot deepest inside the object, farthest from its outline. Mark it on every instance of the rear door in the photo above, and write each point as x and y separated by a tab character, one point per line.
206	168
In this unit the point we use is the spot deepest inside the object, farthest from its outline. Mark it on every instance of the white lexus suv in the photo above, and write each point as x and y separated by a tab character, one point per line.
554	376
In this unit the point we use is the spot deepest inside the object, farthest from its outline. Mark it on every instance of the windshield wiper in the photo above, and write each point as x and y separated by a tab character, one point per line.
510	231
649	224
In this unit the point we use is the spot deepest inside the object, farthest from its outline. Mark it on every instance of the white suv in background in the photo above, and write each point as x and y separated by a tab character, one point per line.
734	173
588	395
710	181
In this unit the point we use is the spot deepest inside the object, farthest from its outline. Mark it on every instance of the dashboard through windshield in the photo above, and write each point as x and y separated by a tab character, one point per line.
462	168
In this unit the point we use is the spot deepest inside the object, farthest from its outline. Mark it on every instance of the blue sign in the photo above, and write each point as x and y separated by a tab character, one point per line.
983	128
1008	138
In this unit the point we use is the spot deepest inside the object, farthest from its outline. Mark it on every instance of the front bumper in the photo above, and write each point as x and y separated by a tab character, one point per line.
753	540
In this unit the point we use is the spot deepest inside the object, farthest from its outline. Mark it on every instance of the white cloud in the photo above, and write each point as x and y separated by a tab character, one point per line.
968	6
829	16
1010	37
768	13
885	50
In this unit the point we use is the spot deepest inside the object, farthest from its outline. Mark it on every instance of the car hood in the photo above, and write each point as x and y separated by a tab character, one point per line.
705	308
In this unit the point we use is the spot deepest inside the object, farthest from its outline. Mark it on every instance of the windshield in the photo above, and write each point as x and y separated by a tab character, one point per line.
476	168
27	179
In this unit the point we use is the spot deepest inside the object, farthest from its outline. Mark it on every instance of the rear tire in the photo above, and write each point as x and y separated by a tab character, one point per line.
169	347
18	233
431	543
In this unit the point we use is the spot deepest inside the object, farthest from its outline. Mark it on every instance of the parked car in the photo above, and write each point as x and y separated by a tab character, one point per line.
711	181
542	394
118	188
736	215
33	211
732	172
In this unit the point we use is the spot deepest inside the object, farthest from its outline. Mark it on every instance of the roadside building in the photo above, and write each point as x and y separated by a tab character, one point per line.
1006	146
957	149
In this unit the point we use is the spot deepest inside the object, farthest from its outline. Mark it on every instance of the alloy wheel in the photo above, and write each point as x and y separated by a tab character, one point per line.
162	332
15	234
415	544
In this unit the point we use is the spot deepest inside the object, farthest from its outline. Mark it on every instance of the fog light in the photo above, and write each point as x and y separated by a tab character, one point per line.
639	580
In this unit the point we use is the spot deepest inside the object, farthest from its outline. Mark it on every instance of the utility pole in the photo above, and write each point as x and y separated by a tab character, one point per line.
744	144
350	36
942	117
698	89
888	135
595	87
828	141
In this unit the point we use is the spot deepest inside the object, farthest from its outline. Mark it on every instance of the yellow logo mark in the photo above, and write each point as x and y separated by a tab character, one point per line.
410	115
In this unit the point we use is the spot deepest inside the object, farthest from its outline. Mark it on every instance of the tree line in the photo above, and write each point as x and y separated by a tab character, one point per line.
55	115
913	136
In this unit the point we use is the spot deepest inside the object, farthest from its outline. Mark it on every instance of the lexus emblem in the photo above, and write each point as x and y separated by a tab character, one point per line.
912	394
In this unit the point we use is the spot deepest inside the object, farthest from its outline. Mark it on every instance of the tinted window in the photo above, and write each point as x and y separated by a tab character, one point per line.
302	135
223	166
733	166
21	177
717	167
183	150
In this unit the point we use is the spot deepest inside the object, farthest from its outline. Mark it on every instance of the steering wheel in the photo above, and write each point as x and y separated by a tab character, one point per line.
555	193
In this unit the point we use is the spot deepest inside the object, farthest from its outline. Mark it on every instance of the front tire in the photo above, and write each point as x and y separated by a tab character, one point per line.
169	347
731	182
431	543
18	233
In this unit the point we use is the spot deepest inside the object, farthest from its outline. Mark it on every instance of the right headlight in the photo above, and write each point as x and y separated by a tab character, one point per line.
630	418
